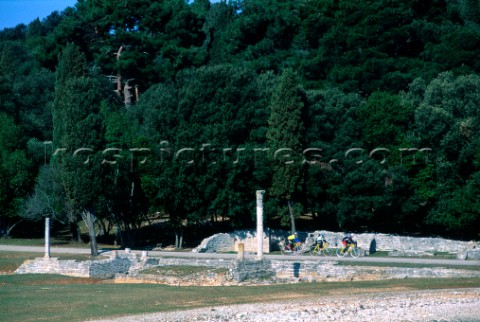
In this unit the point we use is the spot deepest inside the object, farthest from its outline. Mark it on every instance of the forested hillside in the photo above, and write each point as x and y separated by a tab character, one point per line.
362	115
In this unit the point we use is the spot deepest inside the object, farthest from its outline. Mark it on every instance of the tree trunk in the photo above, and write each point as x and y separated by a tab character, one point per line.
118	235
292	216
9	229
89	219
104	231
75	231
179	239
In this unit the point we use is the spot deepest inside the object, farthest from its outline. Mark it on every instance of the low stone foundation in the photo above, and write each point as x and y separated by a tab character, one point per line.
473	254
331	271
164	261
55	266
106	268
242	270
127	267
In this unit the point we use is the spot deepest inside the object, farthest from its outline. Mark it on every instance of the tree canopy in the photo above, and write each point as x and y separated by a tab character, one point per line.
170	114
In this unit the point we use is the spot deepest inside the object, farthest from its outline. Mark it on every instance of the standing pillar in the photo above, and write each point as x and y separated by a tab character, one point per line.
47	237
260	194
241	251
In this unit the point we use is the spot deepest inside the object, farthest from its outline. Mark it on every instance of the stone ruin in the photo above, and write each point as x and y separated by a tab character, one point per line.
128	267
117	263
228	242
393	244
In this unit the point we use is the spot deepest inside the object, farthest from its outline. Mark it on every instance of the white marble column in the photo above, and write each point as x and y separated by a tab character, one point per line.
260	194
47	238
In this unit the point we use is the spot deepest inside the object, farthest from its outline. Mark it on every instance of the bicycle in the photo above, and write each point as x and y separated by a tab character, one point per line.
321	249
351	249
298	248
229	276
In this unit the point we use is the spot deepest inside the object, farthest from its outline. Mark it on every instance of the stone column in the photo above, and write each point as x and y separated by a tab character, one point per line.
47	238
260	194
241	251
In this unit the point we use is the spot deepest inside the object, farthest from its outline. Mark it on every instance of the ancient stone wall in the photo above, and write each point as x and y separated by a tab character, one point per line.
164	261
242	270
229	242
105	268
118	264
472	254
216	243
330	271
55	266
368	242
385	242
128	264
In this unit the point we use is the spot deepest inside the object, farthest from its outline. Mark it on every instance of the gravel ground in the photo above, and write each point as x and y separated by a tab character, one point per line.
440	305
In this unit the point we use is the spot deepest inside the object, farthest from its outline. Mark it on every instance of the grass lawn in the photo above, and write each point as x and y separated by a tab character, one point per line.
22	241
53	243
38	242
59	298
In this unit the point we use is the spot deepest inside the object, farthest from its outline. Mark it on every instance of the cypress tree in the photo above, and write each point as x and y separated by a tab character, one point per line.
285	141
79	132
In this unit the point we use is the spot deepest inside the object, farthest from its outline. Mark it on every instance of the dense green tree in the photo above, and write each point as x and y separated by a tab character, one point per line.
470	10
331	131
286	141
385	120
201	164
373	195
447	122
33	96
48	199
206	79
123	204
79	129
16	172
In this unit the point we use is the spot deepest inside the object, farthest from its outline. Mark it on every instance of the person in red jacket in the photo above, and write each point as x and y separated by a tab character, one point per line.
347	241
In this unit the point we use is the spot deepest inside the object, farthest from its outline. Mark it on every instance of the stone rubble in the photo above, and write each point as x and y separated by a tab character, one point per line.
431	305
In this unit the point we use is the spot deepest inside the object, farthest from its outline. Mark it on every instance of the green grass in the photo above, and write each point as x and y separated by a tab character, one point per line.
23	242
59	298
53	242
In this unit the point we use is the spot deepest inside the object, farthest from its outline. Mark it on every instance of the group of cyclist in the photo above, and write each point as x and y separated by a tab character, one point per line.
293	242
